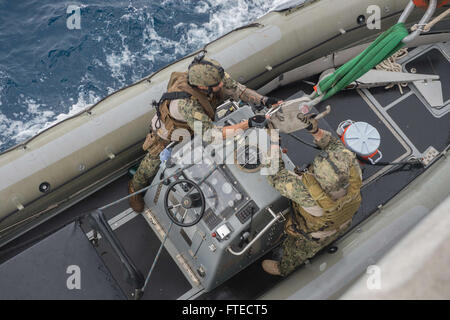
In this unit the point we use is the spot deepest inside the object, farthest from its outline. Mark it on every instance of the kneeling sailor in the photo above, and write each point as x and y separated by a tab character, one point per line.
324	200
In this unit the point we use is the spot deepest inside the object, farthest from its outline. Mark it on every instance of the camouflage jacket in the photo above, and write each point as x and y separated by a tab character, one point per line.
192	111
290	185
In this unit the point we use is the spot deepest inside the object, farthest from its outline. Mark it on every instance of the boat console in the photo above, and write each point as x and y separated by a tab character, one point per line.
214	205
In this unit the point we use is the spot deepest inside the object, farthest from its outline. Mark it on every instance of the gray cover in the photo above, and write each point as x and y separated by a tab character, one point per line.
40	272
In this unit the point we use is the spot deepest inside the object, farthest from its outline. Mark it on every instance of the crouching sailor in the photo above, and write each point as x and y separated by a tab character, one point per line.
324	199
191	97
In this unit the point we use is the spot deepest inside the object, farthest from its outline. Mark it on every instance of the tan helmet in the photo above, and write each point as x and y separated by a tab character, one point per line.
205	72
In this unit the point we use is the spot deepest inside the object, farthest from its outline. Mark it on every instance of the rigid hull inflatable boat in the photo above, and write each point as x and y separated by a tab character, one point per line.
53	184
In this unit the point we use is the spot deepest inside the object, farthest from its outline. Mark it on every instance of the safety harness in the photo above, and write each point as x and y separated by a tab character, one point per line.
337	212
168	96
178	88
412	163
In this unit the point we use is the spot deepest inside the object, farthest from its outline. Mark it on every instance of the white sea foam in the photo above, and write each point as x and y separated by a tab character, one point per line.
226	16
41	118
2	86
202	7
84	101
116	61
19	130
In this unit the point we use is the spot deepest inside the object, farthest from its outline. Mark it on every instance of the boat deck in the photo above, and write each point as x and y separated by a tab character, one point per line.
408	127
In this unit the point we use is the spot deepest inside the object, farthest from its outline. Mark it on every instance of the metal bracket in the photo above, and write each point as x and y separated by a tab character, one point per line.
379	78
429	155
288	118
276	217
425	19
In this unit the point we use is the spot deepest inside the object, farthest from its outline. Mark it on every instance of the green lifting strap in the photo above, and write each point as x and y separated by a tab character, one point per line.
382	48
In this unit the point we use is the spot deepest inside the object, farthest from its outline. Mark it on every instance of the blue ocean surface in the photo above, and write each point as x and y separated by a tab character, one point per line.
54	64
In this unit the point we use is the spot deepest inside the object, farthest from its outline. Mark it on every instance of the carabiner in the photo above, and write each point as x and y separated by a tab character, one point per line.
425	19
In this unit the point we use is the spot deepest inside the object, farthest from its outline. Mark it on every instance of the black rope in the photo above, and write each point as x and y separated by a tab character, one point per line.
413	163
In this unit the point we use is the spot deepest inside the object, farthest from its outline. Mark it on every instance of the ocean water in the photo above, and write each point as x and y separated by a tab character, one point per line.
49	72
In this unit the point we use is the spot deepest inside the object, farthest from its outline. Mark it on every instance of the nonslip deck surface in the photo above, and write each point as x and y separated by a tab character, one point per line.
421	127
141	244
62	266
113	191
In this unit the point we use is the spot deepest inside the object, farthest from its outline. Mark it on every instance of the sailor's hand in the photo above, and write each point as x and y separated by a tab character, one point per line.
258	121
271	102
259	108
311	123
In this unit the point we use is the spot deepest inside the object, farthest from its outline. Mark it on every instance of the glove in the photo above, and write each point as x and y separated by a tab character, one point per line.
165	155
258	121
259	108
311	123
269	101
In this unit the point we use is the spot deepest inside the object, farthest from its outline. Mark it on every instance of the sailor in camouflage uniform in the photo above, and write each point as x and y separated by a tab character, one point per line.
324	200
191	97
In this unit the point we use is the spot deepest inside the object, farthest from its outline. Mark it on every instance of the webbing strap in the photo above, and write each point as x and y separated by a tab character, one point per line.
174	96
325	155
382	48
295	225
168	96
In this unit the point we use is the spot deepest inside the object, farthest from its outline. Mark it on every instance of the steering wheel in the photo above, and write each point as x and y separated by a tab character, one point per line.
192	199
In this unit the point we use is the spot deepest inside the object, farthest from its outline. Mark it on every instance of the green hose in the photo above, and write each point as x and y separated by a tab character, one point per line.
382	48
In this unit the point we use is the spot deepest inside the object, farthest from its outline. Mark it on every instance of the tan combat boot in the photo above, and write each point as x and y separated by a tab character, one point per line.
137	201
271	267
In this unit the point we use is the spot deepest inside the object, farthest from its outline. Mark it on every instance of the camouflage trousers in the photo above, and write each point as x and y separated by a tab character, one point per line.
296	250
146	171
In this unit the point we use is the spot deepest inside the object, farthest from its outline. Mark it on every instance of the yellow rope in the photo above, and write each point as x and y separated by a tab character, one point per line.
431	24
391	65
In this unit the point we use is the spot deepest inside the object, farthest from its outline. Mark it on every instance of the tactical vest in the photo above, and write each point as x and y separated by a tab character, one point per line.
178	88
337	212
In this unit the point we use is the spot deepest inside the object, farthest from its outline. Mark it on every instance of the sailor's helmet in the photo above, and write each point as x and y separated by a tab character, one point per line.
205	72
